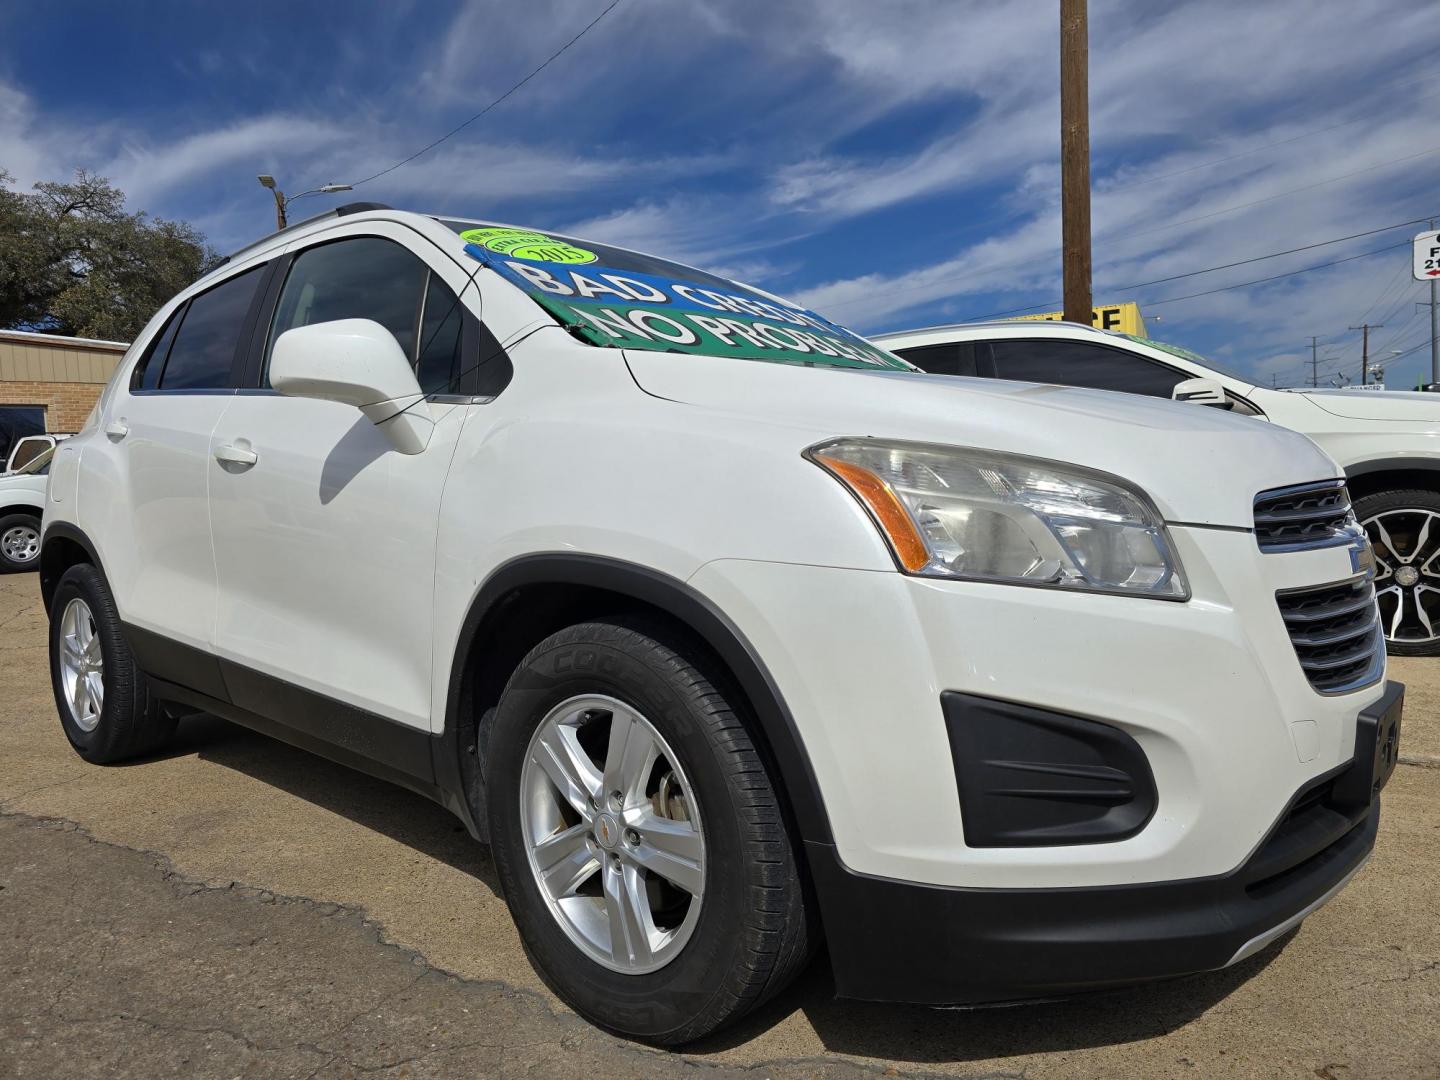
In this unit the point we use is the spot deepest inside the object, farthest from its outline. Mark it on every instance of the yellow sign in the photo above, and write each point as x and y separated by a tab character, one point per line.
1123	317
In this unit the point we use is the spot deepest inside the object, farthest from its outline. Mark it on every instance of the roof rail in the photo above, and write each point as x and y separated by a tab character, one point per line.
339	211
360	208
990	322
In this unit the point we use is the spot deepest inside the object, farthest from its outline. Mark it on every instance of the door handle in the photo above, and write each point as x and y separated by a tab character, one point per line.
239	456
117	429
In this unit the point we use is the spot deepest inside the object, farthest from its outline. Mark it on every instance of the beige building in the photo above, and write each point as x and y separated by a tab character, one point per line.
50	383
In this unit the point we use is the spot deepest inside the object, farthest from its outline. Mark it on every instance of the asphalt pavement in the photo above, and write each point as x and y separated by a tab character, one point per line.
236	907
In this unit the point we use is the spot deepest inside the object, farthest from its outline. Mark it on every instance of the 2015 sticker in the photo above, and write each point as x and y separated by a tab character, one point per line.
525	244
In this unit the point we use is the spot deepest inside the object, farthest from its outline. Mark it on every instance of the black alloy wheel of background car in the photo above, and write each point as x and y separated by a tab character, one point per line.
1404	528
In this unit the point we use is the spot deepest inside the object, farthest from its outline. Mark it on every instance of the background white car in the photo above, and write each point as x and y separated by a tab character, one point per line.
28	448
1388	443
22	501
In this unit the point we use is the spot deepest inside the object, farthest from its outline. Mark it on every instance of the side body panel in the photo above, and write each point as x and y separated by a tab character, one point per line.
325	547
143	497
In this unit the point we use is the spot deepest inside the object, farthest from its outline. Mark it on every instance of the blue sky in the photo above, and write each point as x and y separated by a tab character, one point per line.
892	163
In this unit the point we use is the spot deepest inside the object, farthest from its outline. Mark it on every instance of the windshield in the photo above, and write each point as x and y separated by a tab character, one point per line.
40	463
621	299
1193	357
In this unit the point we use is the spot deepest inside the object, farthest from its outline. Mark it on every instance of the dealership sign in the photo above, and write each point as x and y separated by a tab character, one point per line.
1122	317
1427	256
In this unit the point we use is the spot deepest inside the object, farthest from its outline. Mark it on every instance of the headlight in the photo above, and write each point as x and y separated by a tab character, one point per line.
951	512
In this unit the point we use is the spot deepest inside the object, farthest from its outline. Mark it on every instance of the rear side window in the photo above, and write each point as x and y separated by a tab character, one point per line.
951	358
1078	363
202	354
146	375
371	278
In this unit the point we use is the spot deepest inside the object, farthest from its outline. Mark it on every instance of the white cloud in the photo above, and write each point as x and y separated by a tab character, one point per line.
718	131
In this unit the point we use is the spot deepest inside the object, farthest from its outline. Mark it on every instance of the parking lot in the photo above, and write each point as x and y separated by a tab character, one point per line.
240	908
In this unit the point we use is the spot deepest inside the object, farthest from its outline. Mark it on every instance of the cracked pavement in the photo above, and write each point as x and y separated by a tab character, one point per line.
239	908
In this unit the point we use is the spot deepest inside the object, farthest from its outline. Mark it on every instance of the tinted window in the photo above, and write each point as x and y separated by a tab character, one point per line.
1078	363
146	375
363	278
17	421
203	352
437	364
615	298
953	358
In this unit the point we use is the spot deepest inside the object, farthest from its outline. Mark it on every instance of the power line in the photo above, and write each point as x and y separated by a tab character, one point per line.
1416	348
1406	295
1231	265
1272	255
1283	194
1396	302
1277	277
1401	332
1385	291
461	126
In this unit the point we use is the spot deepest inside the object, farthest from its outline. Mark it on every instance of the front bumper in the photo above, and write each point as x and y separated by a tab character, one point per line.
900	941
1211	690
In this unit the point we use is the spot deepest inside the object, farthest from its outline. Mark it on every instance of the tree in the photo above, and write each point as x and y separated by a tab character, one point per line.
73	261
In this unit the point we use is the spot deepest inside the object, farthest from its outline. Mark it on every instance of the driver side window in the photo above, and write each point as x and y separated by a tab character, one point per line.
367	277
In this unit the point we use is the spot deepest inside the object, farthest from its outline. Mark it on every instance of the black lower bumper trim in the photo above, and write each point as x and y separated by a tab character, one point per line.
901	941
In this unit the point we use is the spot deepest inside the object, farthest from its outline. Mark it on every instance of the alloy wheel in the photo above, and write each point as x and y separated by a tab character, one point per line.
1407	573
20	543
613	834
82	665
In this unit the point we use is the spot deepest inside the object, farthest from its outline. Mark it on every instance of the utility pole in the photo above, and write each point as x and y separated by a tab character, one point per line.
1365	328
1314	362
1434	337
1075	159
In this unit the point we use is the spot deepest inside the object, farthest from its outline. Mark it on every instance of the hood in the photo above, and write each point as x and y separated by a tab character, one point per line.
1377	404
12	481
1200	466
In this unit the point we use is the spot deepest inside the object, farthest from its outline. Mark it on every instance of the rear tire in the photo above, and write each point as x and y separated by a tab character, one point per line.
749	932
19	543
105	705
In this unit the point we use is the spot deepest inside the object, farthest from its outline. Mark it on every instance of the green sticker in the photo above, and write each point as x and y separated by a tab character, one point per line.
525	244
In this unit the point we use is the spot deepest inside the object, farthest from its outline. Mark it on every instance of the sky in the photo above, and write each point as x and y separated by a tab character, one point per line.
890	163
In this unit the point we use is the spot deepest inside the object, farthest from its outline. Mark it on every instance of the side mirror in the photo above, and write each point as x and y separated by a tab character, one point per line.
355	362
1201	392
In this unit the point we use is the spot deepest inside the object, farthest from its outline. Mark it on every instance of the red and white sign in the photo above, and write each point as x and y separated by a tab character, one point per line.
1427	256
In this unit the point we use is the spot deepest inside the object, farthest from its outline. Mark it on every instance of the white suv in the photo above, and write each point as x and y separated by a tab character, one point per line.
22	501
723	625
1388	442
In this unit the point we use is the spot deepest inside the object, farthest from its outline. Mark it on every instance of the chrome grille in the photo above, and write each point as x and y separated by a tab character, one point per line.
1336	633
1310	515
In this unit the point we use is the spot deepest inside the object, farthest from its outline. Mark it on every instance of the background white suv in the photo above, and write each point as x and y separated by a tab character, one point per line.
22	502
1388	442
723	624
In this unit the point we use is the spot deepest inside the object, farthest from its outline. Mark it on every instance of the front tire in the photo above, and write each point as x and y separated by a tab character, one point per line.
105	705
1404	528
19	543
639	839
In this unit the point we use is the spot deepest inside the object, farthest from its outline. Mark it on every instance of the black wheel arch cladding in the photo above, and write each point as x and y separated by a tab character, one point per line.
467	719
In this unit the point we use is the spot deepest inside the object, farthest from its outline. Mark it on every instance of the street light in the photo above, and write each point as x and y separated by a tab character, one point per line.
281	202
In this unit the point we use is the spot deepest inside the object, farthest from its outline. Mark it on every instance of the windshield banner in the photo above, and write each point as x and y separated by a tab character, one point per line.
633	309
